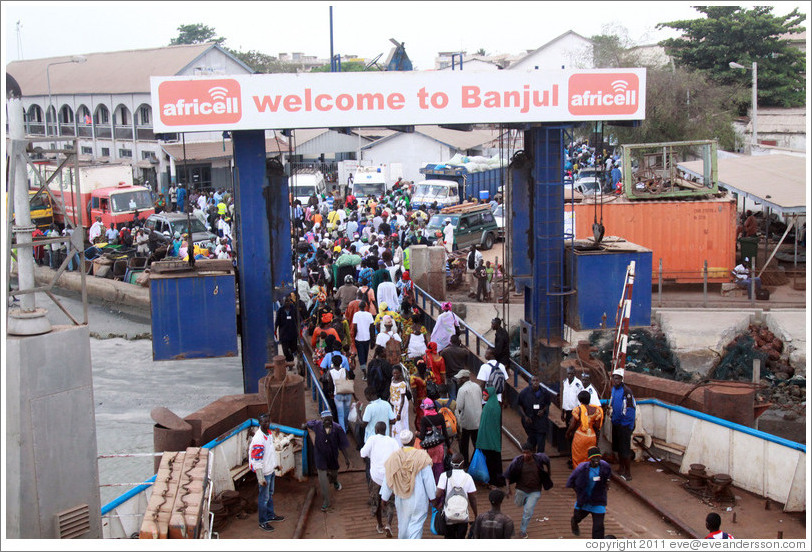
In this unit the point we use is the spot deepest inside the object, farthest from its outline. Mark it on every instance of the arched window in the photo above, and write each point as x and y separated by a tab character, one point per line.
83	116
121	117
143	116
34	114
66	114
102	116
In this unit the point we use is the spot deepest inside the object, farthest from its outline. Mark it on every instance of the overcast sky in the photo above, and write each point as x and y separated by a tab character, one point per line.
359	28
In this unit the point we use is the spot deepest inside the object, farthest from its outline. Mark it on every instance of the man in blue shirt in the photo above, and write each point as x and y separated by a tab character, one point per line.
591	483
623	408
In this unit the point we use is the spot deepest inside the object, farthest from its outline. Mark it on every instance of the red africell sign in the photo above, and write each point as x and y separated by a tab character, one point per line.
603	94
200	102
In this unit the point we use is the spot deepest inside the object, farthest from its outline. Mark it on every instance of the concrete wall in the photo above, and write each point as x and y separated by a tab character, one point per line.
411	150
51	451
427	269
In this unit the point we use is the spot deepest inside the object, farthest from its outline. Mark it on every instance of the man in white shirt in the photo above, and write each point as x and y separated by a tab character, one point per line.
262	461
363	322
95	230
486	377
448	235
570	388
445	488
594	399
378	449
389	332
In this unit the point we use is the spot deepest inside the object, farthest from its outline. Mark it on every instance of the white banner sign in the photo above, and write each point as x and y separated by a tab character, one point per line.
317	100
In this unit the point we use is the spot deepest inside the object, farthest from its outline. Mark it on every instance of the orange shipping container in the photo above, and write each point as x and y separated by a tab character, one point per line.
684	234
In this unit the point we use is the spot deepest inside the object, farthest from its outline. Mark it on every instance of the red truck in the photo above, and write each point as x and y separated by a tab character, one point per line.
107	192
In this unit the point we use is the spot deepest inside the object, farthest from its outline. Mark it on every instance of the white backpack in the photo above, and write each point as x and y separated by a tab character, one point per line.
456	503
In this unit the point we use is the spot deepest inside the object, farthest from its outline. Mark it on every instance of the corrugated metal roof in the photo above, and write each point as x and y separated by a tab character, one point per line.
203	151
780	181
457	139
104	72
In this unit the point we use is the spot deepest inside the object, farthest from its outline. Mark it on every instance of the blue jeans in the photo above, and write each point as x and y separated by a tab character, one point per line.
451	384
363	352
528	502
265	500
343	403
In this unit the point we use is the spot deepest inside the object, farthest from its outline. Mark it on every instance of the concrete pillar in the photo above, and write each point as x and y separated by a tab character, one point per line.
427	269
51	450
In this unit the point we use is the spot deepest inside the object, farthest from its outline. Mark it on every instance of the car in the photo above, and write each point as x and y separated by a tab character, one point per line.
471	226
588	185
305	183
162	228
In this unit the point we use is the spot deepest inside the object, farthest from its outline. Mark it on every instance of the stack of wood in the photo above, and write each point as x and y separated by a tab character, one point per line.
177	508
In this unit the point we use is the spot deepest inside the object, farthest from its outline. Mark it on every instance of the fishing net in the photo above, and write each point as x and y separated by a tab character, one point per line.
737	362
646	353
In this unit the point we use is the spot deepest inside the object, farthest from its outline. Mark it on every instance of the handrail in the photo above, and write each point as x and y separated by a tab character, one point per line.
312	379
517	368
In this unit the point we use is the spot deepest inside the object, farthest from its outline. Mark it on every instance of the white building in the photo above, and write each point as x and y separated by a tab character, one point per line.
567	51
105	102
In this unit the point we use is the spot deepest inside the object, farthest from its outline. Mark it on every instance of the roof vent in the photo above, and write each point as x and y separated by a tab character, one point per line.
73	523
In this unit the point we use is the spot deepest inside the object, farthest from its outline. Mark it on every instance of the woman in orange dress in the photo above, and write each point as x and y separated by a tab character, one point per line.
418	384
435	363
586	423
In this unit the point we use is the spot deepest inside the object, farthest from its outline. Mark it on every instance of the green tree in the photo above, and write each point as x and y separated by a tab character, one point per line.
731	33
683	105
346	67
196	33
614	48
263	63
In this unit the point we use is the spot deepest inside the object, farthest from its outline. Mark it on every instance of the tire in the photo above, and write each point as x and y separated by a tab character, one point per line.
488	243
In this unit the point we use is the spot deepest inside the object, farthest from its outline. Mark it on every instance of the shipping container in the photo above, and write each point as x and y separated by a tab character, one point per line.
683	233
597	275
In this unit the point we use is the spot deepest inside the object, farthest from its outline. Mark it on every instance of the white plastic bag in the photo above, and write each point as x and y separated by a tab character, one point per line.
352	417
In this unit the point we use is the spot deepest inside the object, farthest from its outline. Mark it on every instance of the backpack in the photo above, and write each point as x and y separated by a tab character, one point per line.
496	379
450	420
434	437
455	506
471	260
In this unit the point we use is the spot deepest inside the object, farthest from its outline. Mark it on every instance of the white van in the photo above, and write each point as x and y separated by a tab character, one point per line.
304	184
444	192
369	181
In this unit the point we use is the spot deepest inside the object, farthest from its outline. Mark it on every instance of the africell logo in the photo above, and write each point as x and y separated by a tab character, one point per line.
604	94
199	102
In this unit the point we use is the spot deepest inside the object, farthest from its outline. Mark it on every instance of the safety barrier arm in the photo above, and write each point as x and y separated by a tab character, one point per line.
424	299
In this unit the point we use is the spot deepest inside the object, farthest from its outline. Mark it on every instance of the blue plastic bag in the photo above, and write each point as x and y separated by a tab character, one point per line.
437	521
478	469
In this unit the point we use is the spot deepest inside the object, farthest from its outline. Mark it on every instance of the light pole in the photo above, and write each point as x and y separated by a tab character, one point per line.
754	67
74	59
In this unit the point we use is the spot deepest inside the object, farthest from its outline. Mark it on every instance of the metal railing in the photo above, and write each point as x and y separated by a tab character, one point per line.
423	300
311	379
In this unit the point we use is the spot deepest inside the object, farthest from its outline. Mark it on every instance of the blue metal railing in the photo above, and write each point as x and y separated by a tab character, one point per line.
424	299
311	379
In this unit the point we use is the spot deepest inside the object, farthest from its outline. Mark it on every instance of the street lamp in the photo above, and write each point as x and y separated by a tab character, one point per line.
754	67
74	59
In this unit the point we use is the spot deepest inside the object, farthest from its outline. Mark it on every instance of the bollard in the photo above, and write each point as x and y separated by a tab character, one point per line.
705	284
752	283
734	517
660	284
780	535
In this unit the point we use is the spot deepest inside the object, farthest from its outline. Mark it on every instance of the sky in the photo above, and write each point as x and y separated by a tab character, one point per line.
50	29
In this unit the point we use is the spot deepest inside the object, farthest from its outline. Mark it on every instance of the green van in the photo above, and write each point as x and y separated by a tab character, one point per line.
472	225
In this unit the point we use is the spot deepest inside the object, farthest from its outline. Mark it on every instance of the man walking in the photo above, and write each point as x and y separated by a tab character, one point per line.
410	478
262	461
328	440
570	388
527	471
456	492
623	408
501	342
455	357
590	480
286	328
534	407
378	448
468	411
493	524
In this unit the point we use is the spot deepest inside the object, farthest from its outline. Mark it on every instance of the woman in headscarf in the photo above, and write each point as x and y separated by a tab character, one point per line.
388	293
435	363
380	275
489	437
399	399
586	423
418	384
415	339
406	289
447	325
319	339
432	421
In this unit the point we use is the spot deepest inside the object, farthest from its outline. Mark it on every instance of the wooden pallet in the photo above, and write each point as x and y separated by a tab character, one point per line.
466	207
